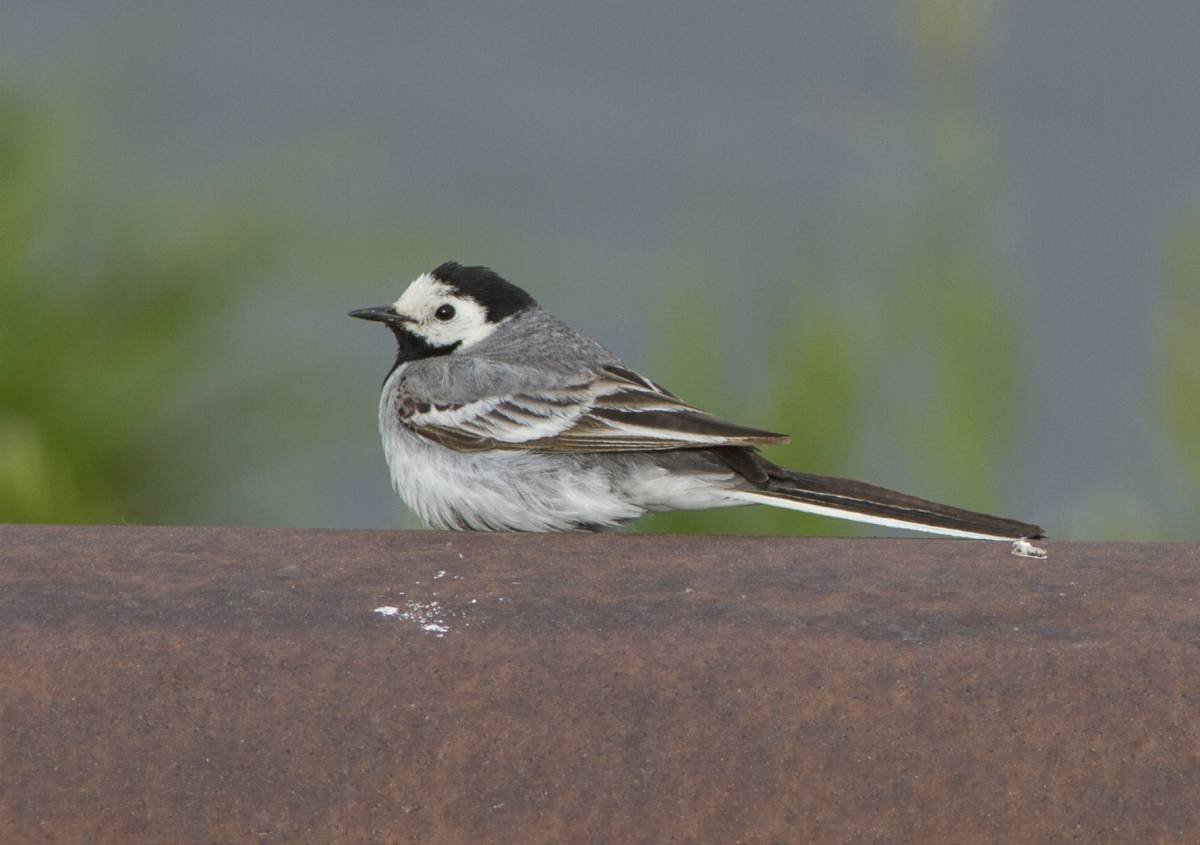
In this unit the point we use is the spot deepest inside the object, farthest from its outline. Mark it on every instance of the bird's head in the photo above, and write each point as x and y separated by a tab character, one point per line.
452	308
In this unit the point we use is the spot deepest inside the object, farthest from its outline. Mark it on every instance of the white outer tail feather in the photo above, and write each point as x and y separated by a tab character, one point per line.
838	513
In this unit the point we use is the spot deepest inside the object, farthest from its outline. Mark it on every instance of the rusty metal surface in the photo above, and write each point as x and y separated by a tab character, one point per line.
237	685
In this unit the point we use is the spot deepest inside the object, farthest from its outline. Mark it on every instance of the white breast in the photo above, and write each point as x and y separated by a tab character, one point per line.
500	490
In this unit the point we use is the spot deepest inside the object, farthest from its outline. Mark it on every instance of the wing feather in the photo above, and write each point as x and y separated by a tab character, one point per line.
615	410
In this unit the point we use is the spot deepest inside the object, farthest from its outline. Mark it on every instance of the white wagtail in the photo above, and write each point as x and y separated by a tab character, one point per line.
497	416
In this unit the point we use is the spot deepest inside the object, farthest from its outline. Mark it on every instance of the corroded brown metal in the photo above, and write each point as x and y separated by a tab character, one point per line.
237	685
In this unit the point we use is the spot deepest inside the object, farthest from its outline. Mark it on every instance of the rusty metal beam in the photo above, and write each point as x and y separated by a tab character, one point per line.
236	685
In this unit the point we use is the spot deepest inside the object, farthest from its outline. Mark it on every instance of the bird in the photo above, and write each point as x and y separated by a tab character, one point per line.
498	416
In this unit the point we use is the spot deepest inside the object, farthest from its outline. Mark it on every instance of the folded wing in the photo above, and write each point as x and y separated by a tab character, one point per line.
610	410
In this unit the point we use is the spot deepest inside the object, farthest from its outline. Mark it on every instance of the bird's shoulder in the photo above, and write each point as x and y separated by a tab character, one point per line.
539	336
528	353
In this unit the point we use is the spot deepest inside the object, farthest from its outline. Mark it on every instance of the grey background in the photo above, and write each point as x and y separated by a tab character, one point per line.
586	139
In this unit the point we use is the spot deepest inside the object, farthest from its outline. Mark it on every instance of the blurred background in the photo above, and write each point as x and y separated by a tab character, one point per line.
952	246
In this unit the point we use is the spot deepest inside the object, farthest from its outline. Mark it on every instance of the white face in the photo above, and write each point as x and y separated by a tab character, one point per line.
442	317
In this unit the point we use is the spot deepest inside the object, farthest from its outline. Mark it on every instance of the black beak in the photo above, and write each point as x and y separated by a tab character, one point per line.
382	314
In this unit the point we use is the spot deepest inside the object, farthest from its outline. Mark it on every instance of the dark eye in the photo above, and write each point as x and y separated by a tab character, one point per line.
444	312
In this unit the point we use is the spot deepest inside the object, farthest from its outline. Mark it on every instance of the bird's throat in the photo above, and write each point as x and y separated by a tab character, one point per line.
410	347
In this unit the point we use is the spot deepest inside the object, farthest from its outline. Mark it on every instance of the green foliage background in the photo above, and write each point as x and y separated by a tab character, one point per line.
109	299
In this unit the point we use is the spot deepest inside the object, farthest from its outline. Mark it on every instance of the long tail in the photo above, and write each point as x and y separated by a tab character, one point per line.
861	502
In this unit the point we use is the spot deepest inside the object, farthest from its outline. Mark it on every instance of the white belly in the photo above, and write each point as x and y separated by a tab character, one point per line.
499	491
